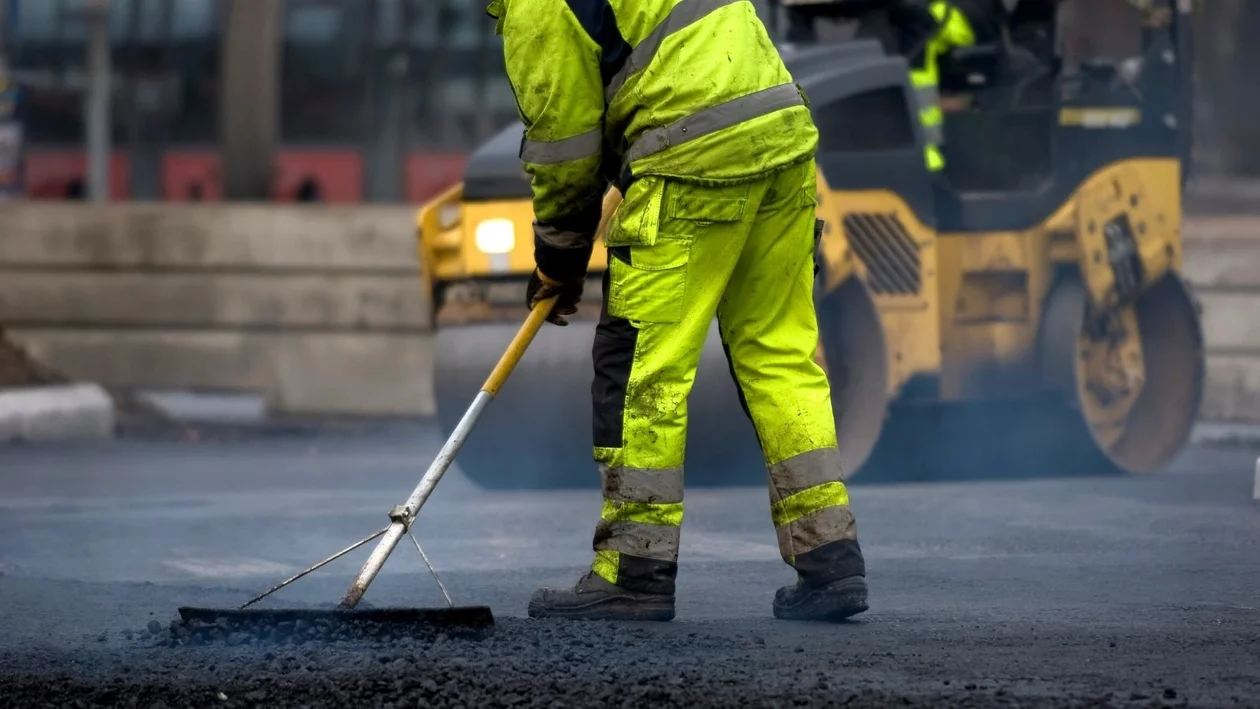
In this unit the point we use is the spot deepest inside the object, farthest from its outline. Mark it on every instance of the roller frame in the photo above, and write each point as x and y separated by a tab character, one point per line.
1047	434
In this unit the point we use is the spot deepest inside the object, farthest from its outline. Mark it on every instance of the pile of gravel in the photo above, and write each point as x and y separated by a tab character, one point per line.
18	369
527	663
299	627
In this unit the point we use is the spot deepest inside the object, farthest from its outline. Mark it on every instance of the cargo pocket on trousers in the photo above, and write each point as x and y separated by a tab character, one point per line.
649	283
650	251
647	278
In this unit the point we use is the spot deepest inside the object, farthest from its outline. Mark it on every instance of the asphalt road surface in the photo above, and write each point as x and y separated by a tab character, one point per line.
1077	591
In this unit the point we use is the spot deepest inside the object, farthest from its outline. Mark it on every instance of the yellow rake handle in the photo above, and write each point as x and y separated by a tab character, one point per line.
402	516
537	316
516	349
612	200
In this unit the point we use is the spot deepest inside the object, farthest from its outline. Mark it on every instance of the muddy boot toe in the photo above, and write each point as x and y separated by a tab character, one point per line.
594	598
833	601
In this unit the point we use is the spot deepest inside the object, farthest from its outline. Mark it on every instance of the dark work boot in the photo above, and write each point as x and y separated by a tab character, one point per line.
593	598
831	601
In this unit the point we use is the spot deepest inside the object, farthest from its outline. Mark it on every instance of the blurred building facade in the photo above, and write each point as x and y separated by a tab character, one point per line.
375	100
366	100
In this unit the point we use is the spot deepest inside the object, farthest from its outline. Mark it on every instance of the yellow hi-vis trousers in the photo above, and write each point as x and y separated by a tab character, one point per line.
679	254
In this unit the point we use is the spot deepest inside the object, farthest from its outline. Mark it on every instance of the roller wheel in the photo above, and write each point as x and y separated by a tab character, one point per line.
1135	376
537	433
1120	395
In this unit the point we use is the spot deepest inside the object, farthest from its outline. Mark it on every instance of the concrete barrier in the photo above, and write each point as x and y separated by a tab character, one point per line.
321	309
1223	266
299	372
56	413
209	237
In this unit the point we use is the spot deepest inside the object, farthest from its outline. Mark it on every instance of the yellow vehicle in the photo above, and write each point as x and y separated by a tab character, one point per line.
1021	313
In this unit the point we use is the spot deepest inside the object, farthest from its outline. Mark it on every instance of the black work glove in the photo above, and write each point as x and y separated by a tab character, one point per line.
562	252
541	288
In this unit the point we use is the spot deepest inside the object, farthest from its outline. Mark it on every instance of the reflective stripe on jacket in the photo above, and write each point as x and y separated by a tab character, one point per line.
689	89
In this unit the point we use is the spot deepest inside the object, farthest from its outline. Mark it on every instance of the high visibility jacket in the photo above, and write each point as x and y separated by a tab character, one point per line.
688	89
953	31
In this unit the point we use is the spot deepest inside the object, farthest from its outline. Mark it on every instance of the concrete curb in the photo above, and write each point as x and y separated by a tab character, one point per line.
56	413
1232	435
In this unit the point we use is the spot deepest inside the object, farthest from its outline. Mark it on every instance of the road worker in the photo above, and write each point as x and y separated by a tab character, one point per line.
946	28
688	110
922	31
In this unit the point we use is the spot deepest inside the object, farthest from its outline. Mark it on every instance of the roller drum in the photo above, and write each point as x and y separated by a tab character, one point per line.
855	355
537	434
1155	423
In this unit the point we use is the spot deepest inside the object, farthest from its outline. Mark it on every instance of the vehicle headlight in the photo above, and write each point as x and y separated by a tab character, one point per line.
496	236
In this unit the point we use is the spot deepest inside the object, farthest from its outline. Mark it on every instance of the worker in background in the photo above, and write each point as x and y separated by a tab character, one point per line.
955	24
945	27
689	110
922	31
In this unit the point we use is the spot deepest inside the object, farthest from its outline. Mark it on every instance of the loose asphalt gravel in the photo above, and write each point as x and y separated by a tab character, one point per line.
1075	591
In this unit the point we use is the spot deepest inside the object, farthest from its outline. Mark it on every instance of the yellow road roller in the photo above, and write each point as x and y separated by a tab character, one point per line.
1020	313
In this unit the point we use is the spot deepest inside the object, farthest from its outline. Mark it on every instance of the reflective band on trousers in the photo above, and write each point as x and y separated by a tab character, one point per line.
927	95
642	529
711	120
586	145
668	513
808	501
804	471
653	485
606	565
933	133
814	530
642	513
682	15
928	98
809	504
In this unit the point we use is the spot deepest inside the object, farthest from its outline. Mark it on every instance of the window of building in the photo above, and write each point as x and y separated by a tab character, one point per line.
164	55
325	59
463	96
194	36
